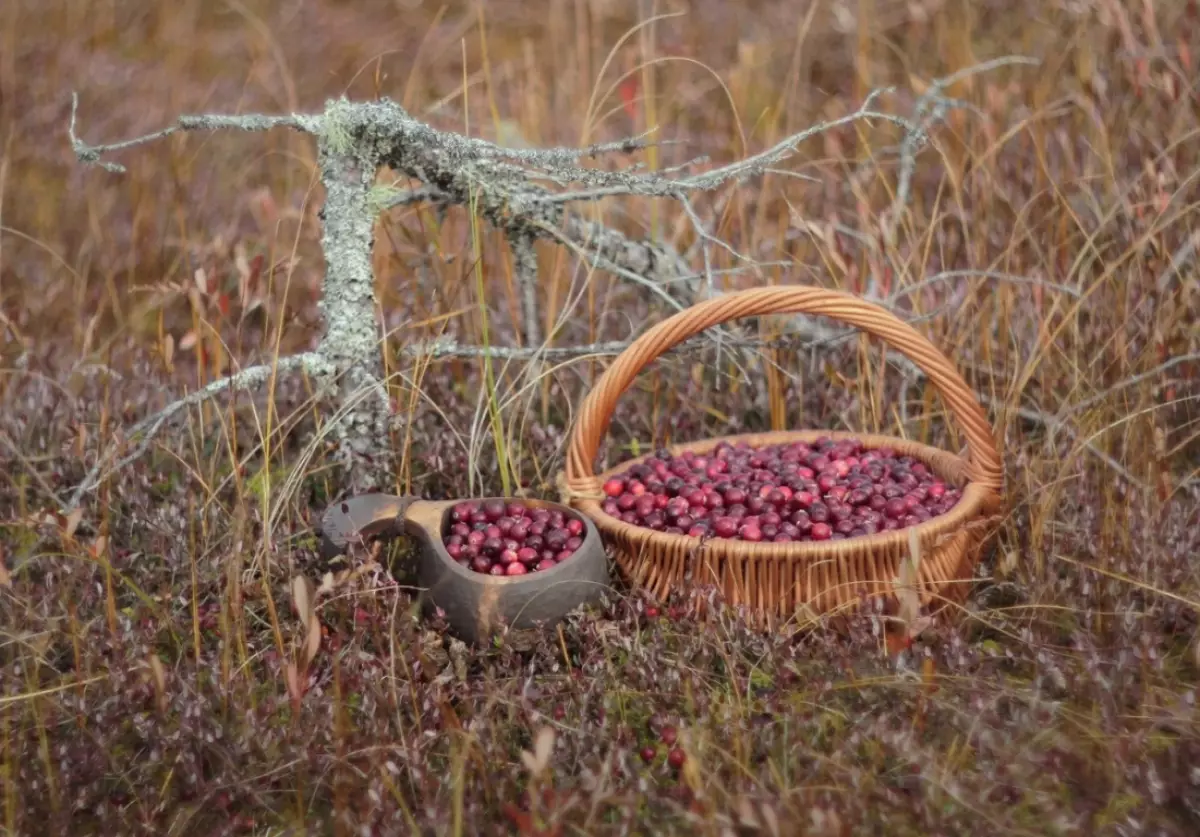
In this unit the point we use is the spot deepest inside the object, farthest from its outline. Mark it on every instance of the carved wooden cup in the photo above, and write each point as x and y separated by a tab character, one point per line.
475	605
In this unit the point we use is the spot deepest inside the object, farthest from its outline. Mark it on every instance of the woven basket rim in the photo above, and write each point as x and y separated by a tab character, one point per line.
977	503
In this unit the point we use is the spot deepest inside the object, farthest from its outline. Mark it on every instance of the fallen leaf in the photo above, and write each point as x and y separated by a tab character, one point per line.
313	645
772	820
543	748
159	673
747	817
5	578
303	598
74	517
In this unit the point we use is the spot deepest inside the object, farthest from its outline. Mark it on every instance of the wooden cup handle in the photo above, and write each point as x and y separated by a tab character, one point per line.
359	517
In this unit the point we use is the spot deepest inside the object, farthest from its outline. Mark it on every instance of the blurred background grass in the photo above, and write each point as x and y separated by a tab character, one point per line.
1064	703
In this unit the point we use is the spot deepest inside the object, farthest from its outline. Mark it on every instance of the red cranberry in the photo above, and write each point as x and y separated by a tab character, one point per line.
676	758
735	496
516	568
725	527
759	494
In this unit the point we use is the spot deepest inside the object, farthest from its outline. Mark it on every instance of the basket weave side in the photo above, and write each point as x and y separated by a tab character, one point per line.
983	461
778	579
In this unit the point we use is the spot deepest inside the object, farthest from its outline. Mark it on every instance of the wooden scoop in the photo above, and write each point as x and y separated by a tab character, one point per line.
475	605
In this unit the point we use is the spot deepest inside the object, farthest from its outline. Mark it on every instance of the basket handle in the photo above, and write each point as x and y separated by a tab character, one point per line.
983	459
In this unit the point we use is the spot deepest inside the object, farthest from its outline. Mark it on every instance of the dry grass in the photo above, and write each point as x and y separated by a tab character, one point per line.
150	677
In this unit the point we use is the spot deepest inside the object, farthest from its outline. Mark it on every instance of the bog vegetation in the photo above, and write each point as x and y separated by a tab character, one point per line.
175	657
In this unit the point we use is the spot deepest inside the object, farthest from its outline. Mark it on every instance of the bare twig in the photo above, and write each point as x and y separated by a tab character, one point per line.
991	275
253	122
931	107
1056	425
146	430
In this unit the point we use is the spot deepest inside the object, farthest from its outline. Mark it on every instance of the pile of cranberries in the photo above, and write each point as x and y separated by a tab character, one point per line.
499	538
824	490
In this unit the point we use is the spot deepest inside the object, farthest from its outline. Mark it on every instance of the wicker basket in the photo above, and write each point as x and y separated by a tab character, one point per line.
779	580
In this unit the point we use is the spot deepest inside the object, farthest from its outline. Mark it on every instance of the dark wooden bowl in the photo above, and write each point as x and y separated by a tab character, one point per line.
475	605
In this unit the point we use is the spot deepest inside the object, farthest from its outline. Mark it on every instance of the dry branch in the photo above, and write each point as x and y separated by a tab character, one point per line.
522	192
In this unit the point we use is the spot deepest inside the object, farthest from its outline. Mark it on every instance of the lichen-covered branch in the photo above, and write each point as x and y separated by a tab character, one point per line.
350	346
144	432
522	192
91	154
525	263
